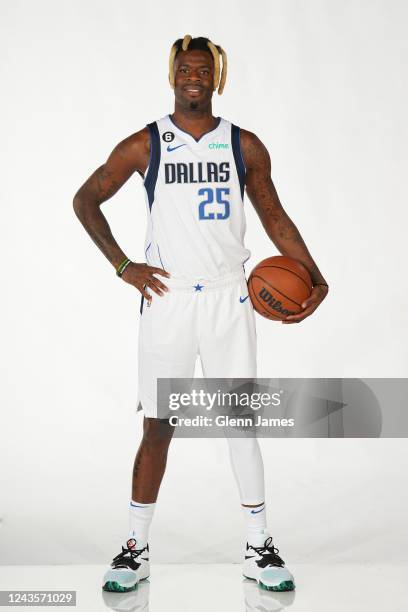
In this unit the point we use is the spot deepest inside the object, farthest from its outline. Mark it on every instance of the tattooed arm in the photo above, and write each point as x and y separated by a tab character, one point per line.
279	227
130	155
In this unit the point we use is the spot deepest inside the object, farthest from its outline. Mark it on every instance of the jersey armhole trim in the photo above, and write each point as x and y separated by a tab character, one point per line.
154	162
238	157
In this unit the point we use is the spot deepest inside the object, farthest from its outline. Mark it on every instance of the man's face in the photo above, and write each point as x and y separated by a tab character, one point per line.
194	79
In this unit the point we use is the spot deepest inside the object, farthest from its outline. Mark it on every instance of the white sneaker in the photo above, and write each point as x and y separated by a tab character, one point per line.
127	568
263	564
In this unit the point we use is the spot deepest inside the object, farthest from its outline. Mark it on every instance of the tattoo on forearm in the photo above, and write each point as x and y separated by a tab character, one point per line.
286	229
94	221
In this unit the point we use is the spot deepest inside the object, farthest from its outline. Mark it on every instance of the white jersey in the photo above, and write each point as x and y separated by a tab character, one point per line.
194	196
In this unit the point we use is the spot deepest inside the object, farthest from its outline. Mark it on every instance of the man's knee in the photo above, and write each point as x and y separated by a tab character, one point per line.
157	432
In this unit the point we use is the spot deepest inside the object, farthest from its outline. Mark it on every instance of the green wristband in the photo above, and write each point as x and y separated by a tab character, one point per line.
122	266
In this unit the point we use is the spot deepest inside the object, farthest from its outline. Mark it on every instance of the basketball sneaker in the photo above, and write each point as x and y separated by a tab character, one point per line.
127	568
263	564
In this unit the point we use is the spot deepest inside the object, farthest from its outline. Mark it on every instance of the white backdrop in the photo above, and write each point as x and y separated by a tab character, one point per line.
323	84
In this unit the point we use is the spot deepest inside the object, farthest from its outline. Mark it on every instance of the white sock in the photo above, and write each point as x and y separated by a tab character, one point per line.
140	517
255	520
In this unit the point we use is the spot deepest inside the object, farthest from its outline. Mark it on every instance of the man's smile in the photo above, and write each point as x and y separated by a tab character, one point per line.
193	90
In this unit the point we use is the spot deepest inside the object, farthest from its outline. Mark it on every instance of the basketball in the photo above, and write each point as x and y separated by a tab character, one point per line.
277	287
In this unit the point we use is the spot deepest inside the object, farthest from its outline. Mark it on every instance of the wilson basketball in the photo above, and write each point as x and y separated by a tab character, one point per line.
277	286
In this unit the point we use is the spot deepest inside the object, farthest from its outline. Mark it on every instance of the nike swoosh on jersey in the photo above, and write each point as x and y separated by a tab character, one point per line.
241	299
257	511
170	149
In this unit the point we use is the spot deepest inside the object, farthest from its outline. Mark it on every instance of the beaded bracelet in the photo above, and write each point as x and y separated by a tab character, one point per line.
122	266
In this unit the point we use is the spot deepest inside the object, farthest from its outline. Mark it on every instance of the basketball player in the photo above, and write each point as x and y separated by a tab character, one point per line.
193	287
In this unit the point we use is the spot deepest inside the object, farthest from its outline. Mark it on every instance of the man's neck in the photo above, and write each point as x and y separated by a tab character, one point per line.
195	122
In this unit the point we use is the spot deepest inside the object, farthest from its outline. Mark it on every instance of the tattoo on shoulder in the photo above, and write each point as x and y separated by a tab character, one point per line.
255	153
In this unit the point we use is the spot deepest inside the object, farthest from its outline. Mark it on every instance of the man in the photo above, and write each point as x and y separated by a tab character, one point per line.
195	168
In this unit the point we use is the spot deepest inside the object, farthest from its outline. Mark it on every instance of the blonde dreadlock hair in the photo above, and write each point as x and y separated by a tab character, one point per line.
203	44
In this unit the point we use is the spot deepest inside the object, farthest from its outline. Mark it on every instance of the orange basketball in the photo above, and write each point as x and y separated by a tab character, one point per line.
278	286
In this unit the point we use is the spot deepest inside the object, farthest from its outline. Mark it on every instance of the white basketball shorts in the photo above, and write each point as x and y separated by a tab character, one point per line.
212	319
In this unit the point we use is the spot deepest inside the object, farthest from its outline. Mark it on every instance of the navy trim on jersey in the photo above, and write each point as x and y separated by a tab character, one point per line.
147	259
239	160
158	250
202	135
243	264
154	162
141	304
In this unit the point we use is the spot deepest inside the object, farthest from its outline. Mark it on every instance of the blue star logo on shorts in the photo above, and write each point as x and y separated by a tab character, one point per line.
198	287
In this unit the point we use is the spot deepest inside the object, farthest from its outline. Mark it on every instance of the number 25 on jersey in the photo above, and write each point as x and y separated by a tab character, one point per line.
222	211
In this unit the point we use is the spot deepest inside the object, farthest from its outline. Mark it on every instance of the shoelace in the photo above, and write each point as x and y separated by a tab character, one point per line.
127	558
269	554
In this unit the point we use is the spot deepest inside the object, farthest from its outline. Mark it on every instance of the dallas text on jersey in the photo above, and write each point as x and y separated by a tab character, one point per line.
197	172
